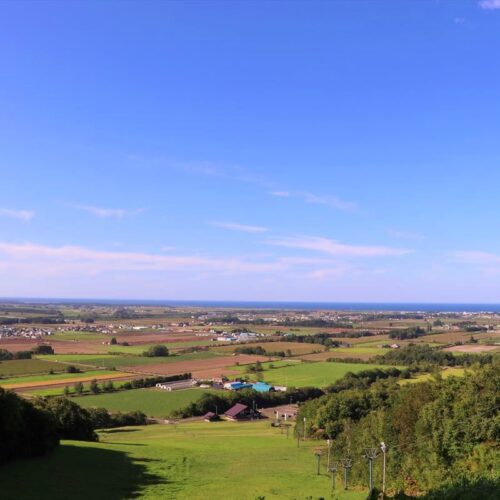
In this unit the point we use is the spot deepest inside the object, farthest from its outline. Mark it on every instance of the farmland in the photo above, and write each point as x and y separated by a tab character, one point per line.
294	347
175	462
28	367
60	380
152	402
203	368
319	374
118	361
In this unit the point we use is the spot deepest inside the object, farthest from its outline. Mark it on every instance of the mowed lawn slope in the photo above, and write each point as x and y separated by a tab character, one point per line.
193	461
152	402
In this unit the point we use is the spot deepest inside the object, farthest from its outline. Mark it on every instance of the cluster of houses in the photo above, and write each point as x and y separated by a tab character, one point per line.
235	336
25	332
230	386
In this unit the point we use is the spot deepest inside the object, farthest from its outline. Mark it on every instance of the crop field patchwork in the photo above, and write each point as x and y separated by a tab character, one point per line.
119	361
200	368
47	381
295	347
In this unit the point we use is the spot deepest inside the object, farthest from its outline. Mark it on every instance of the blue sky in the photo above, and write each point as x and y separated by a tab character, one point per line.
332	151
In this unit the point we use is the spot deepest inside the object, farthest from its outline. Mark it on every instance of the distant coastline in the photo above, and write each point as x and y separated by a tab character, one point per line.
292	305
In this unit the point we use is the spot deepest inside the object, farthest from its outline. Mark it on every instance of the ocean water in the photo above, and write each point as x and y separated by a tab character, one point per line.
307	306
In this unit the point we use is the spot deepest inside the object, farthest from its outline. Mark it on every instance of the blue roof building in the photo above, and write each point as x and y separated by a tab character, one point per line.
262	387
236	386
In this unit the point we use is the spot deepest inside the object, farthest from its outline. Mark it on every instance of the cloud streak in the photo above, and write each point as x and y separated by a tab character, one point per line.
332	247
489	4
314	199
117	213
477	257
243	175
24	215
405	235
232	226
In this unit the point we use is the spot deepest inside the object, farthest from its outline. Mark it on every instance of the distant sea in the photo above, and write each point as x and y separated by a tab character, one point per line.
306	306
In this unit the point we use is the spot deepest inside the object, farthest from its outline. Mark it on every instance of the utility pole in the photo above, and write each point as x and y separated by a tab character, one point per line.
383	447
346	464
304	428
329	444
318	452
332	469
371	455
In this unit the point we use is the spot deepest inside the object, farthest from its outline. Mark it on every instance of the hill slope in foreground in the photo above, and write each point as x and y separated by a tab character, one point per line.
192	460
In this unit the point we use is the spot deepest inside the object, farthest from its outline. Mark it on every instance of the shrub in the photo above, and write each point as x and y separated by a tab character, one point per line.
156	351
43	349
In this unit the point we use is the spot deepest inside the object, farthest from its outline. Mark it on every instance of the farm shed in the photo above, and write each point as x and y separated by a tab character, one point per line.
262	387
236	386
241	412
172	386
210	417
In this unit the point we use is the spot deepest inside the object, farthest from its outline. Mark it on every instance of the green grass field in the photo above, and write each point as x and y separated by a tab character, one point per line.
152	402
117	360
54	378
319	374
196	461
28	367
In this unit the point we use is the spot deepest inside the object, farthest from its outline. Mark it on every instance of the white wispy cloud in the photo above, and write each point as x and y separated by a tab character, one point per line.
239	227
405	235
24	215
91	260
331	201
333	247
117	213
315	199
476	257
489	4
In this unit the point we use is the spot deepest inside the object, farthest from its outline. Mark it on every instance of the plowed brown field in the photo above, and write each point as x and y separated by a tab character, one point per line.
203	368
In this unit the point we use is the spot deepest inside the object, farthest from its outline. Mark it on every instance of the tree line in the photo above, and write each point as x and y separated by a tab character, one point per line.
34	428
442	435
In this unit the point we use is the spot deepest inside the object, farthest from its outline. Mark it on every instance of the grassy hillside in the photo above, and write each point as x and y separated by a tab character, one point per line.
192	461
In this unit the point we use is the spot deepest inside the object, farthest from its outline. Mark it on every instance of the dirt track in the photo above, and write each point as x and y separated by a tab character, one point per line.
473	348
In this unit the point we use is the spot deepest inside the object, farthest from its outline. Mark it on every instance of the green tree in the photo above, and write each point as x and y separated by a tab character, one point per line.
78	387
156	351
94	386
72	421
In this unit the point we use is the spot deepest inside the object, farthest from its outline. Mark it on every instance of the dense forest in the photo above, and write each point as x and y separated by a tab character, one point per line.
30	429
442	435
